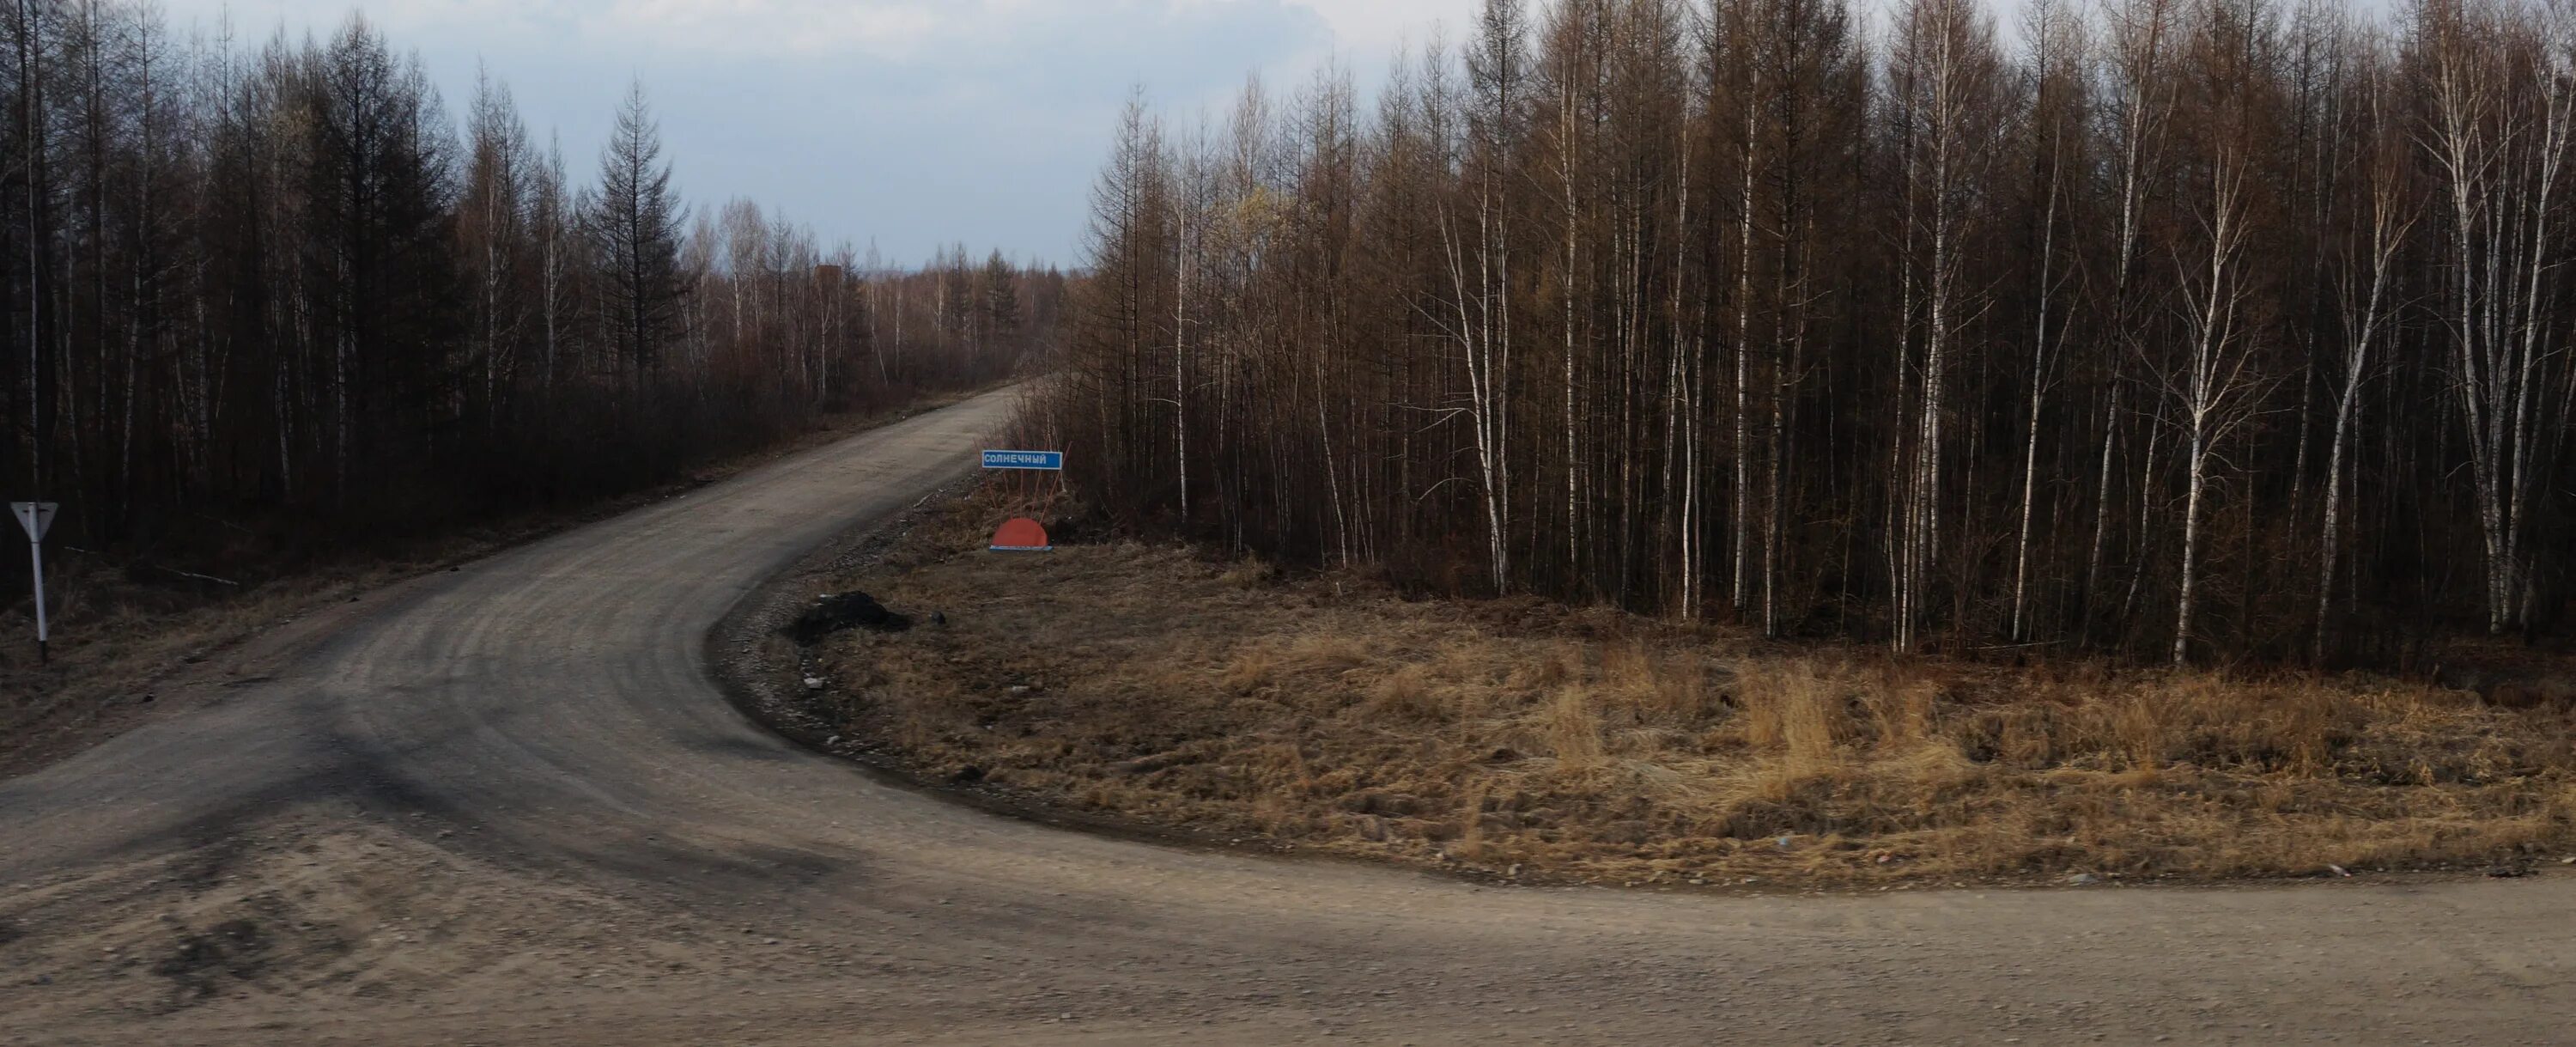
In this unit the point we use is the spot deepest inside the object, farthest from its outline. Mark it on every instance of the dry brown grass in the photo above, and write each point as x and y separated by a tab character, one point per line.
1146	682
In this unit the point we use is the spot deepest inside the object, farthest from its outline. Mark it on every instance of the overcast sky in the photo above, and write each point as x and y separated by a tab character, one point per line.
909	123
912	123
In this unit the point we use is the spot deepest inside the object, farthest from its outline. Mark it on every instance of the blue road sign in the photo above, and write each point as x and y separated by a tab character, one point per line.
1052	461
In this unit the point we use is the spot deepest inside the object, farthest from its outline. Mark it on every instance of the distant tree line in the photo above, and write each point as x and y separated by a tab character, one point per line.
2183	329
279	286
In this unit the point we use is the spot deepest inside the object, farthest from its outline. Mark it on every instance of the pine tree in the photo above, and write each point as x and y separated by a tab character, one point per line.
1001	299
634	224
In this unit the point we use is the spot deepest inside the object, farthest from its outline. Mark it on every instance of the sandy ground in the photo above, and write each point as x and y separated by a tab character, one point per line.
505	805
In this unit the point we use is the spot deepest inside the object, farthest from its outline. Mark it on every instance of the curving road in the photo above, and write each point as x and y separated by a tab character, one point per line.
505	805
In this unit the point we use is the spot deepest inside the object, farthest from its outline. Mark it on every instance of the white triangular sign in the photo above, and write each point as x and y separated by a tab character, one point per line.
36	517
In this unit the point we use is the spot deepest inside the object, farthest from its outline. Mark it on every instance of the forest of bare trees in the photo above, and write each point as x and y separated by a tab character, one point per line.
276	289
2181	330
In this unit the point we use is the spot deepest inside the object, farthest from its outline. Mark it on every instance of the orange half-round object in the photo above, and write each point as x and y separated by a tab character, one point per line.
1021	536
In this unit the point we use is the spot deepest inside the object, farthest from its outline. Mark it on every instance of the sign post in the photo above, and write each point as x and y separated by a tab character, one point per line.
37	518
1024	535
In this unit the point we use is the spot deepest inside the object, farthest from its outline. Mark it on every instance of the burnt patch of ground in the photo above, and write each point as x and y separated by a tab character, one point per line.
233	949
318	913
1148	684
841	612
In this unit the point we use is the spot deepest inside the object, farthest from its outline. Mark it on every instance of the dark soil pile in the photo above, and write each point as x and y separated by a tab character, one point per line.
842	612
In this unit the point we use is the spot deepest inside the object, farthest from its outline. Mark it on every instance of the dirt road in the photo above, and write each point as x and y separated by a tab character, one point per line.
504	805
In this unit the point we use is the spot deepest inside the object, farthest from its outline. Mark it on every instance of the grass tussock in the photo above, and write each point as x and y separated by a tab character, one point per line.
1145	681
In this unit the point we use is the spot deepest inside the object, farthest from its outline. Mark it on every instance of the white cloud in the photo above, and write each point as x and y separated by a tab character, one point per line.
882	29
1371	29
904	29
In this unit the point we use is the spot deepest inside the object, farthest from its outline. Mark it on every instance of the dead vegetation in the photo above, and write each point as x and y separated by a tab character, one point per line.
1521	736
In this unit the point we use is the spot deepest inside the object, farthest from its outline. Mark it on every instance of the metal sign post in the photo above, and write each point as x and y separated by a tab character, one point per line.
37	518
1025	462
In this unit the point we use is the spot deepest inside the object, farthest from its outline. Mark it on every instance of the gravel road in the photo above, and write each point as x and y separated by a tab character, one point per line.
505	805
